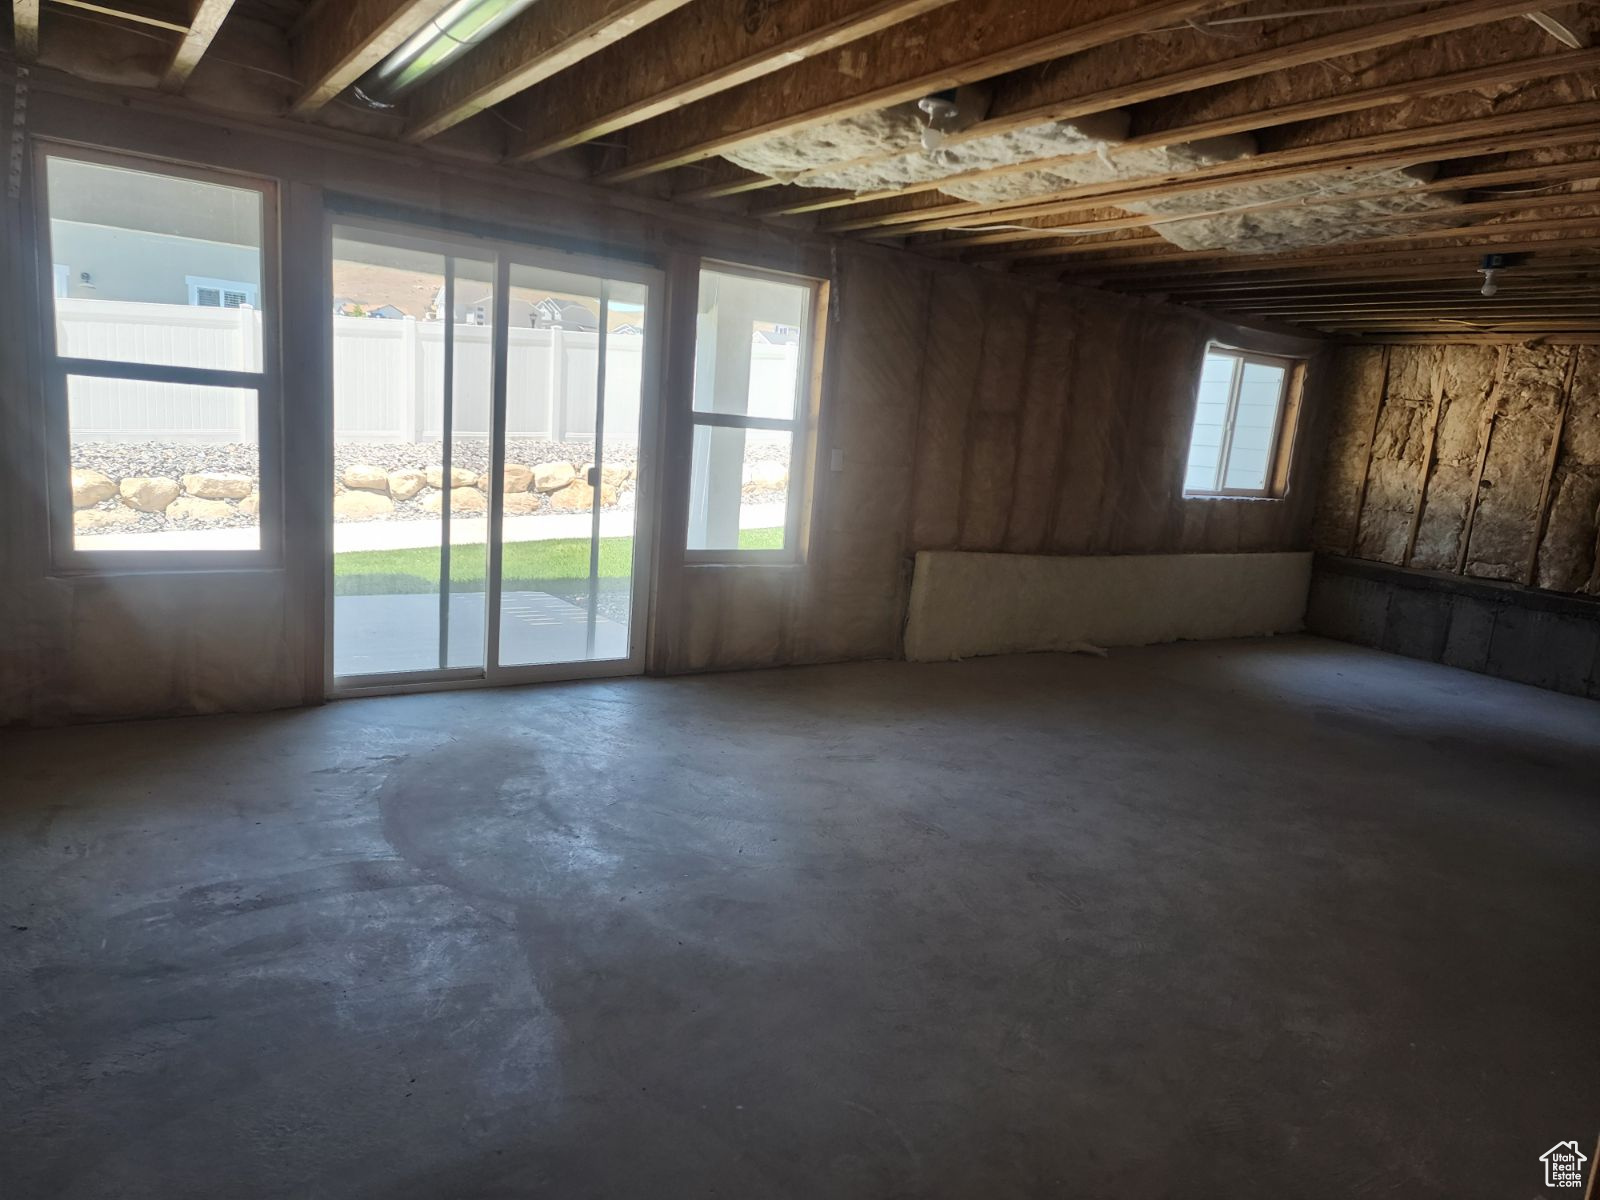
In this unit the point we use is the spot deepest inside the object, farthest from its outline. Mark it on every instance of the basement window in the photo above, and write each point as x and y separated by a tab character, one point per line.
1239	445
159	362
754	409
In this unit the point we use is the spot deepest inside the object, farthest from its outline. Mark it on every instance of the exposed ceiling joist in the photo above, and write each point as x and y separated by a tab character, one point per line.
1198	289
544	39
136	14
957	44
706	47
1161	250
1558	126
1071	99
25	29
993	243
1360	264
339	43
1482	77
206	20
1468	237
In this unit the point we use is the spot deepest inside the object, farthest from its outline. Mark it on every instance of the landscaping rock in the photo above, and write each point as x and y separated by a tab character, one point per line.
616	476
462	500
517	478
405	484
103	518
459	477
196	508
579	497
250	506
91	487
553	476
766	475
149	495
367	478
361	506
520	504
209	485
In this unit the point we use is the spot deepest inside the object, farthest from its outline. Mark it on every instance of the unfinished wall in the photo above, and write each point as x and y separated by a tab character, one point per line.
967	410
1507	439
975	413
1479	460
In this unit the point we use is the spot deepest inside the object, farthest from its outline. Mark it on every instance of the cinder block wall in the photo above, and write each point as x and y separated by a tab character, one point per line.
1543	638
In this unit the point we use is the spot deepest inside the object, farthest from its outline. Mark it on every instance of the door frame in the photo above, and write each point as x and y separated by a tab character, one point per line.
505	252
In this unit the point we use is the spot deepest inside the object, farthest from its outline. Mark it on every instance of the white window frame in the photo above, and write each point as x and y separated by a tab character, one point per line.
57	368
251	293
1240	359
801	426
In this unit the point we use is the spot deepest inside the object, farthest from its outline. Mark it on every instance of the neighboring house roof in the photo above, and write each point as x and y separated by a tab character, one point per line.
778	335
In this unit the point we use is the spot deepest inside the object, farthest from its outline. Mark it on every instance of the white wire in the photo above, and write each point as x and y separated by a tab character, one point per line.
1205	26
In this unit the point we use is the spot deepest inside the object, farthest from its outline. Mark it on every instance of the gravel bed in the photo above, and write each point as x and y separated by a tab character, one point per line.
170	460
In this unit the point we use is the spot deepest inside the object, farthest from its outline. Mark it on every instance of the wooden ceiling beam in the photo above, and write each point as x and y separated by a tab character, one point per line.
25	29
1577	309
1257	63
1472	237
339	43
960	43
1372	302
1368	264
718	178
706	47
1557	325
1164	251
1344	292
1588	169
1475	339
1436	302
548	37
1562	125
132	13
1498	75
1309	283
205	20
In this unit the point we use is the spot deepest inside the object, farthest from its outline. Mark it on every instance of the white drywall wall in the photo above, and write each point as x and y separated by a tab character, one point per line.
964	604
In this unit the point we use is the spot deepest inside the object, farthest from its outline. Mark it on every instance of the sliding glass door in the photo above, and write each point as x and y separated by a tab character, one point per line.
490	469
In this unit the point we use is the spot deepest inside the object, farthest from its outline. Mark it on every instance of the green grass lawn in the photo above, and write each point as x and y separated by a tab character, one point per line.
527	566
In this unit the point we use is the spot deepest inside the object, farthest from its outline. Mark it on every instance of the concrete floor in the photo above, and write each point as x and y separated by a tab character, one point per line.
1280	918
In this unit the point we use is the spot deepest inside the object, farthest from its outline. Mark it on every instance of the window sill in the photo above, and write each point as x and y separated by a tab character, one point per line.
1236	499
743	564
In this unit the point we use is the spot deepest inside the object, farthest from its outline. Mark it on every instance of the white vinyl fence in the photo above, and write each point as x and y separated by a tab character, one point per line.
388	377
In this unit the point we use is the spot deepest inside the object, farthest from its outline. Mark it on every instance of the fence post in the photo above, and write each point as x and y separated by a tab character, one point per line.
558	386
249	360
411	370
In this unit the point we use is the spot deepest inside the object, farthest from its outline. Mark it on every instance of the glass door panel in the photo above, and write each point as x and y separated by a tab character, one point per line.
574	398
412	400
489	402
